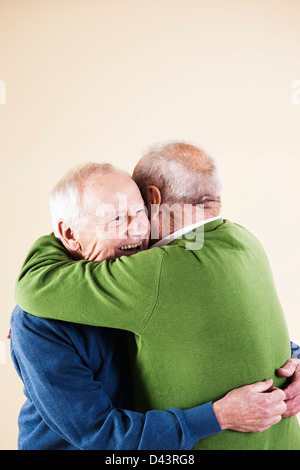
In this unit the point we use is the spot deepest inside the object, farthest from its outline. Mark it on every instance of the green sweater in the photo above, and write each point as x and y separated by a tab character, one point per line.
205	321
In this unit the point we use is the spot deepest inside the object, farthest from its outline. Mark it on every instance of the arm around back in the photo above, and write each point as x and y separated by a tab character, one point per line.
118	294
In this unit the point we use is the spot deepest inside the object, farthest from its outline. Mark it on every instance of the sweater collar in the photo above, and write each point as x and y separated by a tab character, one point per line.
205	225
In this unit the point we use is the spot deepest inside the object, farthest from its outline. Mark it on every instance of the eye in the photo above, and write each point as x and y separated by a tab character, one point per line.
142	210
118	220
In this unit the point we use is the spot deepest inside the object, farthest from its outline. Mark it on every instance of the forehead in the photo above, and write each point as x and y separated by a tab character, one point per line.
110	188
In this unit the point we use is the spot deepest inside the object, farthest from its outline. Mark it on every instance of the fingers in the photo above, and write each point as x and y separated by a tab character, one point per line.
274	397
293	407
276	419
289	368
260	387
281	408
292	390
274	404
273	410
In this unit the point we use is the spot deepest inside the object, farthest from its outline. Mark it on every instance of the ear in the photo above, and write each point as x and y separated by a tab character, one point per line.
153	201
67	237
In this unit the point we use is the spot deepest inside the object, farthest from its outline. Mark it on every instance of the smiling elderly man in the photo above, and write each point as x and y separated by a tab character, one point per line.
206	320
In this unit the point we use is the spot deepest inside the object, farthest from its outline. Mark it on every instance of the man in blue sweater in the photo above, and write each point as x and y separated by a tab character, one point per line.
76	377
76	381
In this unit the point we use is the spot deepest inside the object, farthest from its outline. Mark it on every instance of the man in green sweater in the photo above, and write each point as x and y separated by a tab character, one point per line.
202	304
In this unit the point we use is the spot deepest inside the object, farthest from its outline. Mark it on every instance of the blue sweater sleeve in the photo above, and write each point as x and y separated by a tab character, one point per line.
77	408
295	350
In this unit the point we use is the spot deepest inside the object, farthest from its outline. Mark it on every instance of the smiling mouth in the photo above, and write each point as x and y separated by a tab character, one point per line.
133	246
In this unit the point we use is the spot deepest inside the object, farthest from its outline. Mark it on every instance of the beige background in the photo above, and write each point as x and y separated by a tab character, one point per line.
102	79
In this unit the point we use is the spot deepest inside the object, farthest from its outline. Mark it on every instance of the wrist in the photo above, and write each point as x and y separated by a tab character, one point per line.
220	413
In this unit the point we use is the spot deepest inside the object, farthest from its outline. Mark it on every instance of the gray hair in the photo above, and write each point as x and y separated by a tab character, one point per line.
66	197
181	171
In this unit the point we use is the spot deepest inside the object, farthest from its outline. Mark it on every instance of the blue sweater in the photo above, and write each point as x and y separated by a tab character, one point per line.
76	381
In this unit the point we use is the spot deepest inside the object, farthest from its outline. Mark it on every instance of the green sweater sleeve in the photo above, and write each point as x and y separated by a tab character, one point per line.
117	294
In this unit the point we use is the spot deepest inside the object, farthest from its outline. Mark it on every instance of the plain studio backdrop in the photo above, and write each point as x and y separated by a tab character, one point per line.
101	80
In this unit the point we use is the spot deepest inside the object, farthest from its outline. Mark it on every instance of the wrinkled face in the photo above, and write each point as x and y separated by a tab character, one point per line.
115	222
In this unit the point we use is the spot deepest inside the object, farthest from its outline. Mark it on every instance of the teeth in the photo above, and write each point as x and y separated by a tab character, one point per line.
129	247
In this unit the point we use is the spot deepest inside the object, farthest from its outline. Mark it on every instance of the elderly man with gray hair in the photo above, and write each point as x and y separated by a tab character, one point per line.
201	302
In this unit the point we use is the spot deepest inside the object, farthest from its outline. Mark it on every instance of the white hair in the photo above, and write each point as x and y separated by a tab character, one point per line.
181	171
66	197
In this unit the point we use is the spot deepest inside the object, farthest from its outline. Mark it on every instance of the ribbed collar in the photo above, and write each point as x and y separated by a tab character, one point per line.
208	224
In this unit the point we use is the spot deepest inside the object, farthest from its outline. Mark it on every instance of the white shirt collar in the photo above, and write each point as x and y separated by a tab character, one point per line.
182	231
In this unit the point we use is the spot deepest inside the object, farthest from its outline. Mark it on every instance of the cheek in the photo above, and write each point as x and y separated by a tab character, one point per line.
108	238
148	226
104	250
144	225
102	233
